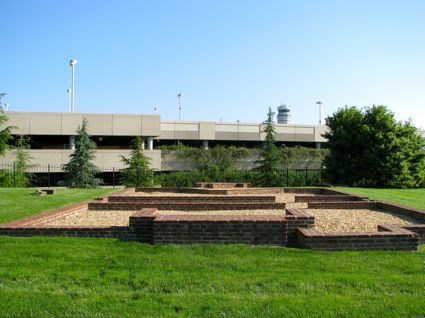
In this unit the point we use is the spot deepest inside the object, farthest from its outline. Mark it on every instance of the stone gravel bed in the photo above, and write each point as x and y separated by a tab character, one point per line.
354	220
95	218
326	220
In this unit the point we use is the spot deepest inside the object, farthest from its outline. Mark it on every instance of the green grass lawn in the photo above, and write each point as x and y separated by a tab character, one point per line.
17	203
64	277
87	277
410	197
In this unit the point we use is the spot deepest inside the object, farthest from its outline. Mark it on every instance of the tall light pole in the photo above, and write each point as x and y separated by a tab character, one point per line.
155	110
72	63
68	91
180	95
320	103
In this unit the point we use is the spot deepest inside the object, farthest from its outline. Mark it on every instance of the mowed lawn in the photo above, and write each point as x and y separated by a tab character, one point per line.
75	277
88	277
17	203
409	197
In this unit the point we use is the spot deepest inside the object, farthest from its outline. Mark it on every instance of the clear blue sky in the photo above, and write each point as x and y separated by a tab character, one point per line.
231	59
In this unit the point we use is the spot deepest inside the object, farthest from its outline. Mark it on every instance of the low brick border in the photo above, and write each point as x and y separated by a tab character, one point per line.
401	209
328	198
137	229
389	238
249	229
186	206
292	228
36	225
223	185
316	191
343	205
233	191
297	218
194	199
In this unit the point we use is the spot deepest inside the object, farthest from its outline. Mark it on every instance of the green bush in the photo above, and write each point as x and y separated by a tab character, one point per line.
291	178
6	179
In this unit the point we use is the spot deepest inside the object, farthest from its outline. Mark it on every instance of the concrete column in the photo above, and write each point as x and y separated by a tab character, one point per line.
318	145
205	144
149	142
72	142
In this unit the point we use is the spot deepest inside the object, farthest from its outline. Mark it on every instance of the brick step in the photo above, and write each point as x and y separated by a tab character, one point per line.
187	199
185	206
328	198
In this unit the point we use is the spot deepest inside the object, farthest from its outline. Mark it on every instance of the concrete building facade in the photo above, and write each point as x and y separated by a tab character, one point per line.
51	135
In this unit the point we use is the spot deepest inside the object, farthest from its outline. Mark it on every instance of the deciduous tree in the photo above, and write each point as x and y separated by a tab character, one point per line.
370	148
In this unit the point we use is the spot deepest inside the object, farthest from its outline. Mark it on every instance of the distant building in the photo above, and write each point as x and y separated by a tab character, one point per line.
51	135
283	115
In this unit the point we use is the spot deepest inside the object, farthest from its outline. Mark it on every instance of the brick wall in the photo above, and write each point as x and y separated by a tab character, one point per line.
388	239
400	209
418	229
294	228
327	198
343	205
220	229
194	199
222	185
185	206
100	232
297	218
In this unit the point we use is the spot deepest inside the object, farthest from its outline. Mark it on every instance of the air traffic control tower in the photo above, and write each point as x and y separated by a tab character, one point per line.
283	115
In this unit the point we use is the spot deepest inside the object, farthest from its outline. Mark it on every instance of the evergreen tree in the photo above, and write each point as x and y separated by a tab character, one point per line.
5	133
267	165
137	172
80	169
22	163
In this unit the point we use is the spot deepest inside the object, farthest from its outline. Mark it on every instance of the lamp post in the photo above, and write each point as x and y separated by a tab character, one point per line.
155	109
72	63
180	95
68	91
320	103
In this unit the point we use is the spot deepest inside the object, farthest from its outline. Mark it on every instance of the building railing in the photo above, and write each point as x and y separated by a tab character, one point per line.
51	175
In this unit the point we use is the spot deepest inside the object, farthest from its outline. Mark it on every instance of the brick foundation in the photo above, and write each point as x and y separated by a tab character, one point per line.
343	205
328	198
315	191
293	227
391	239
220	229
194	199
297	218
222	185
186	206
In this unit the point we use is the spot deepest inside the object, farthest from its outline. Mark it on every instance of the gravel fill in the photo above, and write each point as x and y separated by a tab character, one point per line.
354	220
95	218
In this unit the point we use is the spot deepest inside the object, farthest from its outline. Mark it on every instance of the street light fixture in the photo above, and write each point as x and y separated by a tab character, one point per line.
180	95
72	63
320	103
68	91
155	110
